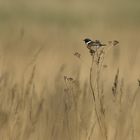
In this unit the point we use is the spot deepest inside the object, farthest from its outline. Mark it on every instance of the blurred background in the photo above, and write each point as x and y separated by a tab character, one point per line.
38	39
59	27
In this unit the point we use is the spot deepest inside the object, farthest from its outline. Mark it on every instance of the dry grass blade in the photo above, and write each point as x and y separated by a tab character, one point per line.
115	84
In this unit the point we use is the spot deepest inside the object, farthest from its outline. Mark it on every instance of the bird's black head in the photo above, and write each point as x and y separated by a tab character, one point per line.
87	40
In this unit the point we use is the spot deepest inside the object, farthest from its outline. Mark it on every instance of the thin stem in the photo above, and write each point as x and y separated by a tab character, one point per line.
93	94
90	78
99	68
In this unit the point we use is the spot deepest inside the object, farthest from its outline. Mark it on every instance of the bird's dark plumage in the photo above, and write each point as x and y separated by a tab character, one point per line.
93	45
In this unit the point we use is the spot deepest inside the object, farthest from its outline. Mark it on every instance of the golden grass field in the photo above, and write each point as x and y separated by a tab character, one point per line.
46	93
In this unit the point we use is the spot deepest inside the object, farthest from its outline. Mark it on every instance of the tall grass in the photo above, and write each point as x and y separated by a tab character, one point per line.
48	93
74	109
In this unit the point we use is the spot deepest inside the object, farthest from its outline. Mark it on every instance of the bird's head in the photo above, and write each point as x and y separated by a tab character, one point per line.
87	40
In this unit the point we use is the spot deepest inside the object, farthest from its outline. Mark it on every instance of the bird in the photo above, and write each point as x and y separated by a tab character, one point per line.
93	45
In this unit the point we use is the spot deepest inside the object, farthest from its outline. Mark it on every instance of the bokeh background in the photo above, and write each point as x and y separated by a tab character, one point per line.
46	34
61	26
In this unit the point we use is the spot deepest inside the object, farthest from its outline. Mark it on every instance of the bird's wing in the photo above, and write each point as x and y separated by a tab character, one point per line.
94	48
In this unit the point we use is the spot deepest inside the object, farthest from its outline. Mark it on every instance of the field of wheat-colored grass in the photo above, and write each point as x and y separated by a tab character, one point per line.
49	87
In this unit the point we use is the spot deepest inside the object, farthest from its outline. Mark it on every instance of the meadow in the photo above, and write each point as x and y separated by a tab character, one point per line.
47	92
